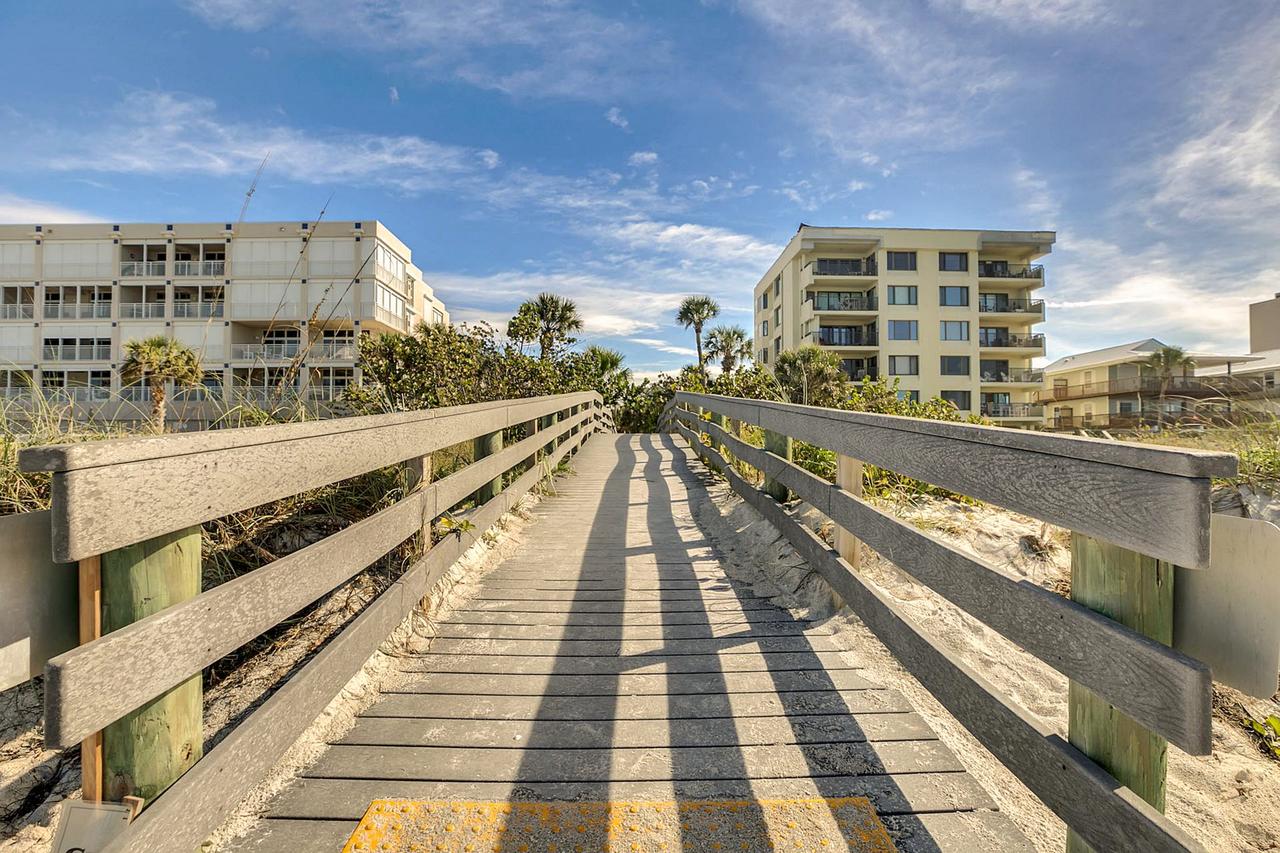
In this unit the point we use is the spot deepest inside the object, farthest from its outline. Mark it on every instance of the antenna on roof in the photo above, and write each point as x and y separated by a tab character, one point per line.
252	187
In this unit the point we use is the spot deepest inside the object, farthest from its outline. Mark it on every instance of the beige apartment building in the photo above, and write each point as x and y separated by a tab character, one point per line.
1252	382
949	313
273	308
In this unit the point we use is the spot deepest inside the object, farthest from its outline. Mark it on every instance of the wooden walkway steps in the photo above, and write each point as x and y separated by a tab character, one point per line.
612	659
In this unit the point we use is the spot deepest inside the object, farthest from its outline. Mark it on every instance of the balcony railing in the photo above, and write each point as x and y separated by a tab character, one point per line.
1014	374
10	355
844	266
1010	306
1012	340
152	269
17	392
77	310
382	315
141	310
197	309
265	352
198	393
80	352
207	269
1012	410
260	394
840	337
843	303
325	393
336	350
17	312
1004	269
1174	386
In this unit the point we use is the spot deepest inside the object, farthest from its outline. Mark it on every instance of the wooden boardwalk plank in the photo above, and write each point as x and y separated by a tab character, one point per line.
611	657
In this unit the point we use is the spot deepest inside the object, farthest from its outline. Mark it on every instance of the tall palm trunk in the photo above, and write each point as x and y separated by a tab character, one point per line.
157	404
697	338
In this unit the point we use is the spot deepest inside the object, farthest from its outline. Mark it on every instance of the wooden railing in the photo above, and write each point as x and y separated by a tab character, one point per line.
1134	511
132	508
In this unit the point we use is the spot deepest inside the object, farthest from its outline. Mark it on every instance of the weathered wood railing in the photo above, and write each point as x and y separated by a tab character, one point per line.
1134	511
131	508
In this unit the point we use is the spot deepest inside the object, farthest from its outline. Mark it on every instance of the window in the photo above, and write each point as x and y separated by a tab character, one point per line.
956	296
777	317
954	330
764	328
904	365
437	317
903	330
955	365
764	301
905	261
909	396
902	295
959	399
777	345
764	356
777	286
953	261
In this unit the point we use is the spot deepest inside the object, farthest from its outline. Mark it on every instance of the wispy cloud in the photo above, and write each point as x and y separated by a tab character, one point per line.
1019	14
17	209
393	94
1035	198
557	49
701	242
643	158
664	346
615	117
877	215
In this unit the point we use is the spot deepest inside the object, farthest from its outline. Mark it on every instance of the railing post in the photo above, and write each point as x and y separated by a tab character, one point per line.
487	445
149	748
849	478
1136	591
90	576
779	445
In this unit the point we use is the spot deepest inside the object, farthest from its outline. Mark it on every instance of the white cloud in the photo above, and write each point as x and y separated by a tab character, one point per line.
664	346
393	94
615	117
557	49
16	209
1035	198
855	186
703	242
1019	14
877	215
643	158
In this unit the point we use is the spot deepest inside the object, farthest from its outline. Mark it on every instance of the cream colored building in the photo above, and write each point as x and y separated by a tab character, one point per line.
949	313
1253	381
272	307
1115	388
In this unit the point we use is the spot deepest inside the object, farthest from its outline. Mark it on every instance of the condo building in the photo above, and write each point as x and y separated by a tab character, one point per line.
948	313
272	308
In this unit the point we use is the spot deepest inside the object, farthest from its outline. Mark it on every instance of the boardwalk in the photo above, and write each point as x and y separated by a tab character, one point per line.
612	659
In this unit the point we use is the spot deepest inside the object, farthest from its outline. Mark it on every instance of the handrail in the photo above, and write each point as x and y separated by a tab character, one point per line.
1160	688
102	681
92	480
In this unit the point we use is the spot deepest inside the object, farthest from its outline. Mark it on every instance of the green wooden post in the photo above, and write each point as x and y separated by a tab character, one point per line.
779	445
487	445
1137	591
148	749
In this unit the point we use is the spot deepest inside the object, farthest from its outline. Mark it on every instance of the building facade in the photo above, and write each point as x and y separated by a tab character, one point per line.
272	308
1253	382
1115	388
948	313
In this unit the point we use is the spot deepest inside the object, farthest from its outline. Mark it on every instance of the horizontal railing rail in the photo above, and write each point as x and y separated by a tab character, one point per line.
1160	688
98	683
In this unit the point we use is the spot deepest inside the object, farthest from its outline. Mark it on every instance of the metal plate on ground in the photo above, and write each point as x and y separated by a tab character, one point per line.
698	826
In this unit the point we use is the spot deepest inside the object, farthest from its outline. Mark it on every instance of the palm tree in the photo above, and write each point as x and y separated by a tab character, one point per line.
811	376
548	319
697	311
157	360
729	344
607	361
1164	362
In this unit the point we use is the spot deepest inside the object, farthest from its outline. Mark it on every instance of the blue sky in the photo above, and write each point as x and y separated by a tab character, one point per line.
627	154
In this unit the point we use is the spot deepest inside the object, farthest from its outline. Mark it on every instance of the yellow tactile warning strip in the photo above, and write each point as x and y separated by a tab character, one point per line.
705	826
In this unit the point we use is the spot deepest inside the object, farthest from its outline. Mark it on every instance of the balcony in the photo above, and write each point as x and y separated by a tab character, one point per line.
824	302
336	350
188	310
1004	269
142	269
1152	386
1011	341
988	304
387	318
1013	411
844	267
80	352
77	394
17	312
1014	376
141	310
843	337
205	269
265	351
77	310
325	393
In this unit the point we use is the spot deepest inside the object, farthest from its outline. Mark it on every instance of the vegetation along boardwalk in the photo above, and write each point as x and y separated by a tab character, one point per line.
613	660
